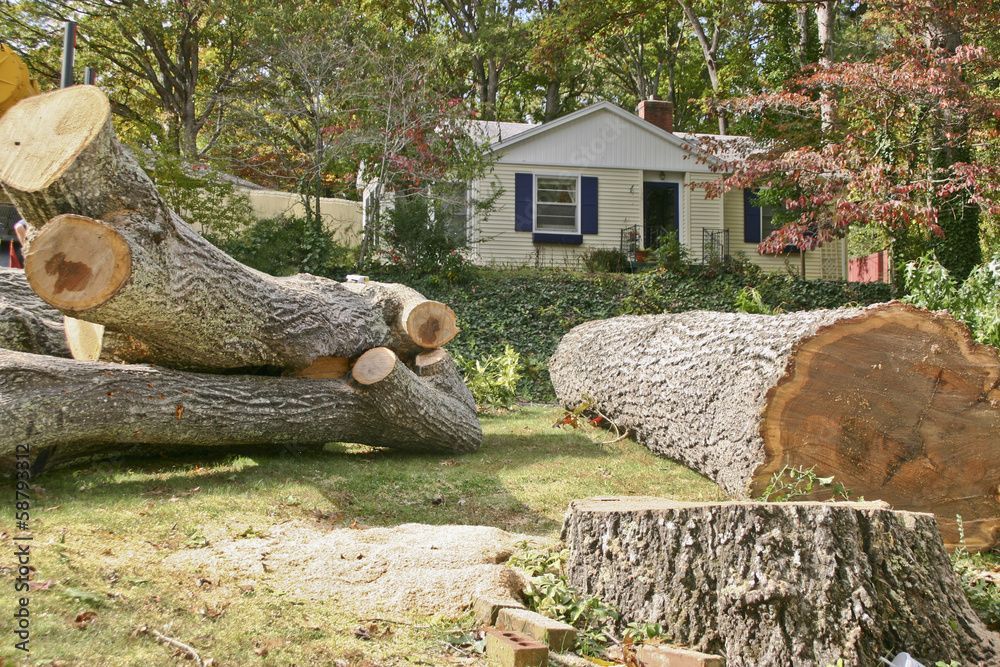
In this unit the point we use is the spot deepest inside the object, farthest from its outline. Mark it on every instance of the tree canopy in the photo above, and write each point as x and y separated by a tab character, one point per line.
878	113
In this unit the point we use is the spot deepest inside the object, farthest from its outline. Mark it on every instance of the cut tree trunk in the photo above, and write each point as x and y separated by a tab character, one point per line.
85	409
799	583
894	402
28	324
108	250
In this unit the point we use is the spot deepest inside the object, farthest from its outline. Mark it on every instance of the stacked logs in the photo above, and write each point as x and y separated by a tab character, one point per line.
241	357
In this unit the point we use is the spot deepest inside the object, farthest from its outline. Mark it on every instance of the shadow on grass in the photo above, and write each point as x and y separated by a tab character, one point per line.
373	486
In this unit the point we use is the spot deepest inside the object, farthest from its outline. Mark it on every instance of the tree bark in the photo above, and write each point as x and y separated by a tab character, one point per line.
109	251
894	402
826	12
87	409
28	324
709	49
778	583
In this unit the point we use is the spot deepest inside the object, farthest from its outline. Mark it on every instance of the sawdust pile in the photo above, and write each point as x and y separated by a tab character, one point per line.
407	569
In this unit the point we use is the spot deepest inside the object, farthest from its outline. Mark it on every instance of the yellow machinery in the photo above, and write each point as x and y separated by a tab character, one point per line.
15	81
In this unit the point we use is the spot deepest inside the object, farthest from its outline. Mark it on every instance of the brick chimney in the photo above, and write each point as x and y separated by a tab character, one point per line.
658	112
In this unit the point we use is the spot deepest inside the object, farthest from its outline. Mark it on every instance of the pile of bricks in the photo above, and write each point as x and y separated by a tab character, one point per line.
517	637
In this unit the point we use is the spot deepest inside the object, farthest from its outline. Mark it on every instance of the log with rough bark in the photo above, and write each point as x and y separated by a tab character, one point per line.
105	248
894	402
27	323
85	409
798	583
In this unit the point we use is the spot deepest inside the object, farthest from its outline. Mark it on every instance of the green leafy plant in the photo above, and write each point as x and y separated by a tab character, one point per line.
492	379
793	482
422	236
550	594
203	196
283	246
749	300
605	260
671	255
976	301
979	575
639	633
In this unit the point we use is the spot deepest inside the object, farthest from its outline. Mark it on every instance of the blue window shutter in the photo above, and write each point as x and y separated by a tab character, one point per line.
524	202
588	204
564	239
751	217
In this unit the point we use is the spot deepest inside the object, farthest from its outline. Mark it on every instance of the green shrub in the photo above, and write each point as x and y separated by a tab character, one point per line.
492	379
605	260
424	239
532	309
976	302
283	246
549	593
201	196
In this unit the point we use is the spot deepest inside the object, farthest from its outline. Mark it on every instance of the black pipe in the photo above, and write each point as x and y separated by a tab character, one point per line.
89	76
69	47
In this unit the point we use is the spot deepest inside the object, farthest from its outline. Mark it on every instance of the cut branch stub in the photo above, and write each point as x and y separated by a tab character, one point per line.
430	324
374	366
76	263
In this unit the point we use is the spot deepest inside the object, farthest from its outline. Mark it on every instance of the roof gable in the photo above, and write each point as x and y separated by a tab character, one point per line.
602	135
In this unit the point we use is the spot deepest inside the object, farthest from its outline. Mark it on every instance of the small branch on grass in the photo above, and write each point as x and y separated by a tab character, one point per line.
174	643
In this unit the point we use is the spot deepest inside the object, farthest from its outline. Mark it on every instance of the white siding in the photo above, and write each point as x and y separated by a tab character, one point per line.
619	205
789	263
703	213
603	139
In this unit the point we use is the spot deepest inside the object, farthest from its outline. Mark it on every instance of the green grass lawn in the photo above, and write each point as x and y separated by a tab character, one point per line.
101	533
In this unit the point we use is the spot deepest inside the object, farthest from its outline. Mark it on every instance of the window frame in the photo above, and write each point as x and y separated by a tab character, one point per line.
534	204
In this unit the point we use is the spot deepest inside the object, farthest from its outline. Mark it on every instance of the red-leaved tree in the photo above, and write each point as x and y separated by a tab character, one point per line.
912	144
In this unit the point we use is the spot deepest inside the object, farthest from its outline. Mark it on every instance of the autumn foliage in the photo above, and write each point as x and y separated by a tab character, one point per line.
907	146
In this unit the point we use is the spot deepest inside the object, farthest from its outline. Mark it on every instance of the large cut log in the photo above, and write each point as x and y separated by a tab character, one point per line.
105	248
798	583
27	323
894	402
88	408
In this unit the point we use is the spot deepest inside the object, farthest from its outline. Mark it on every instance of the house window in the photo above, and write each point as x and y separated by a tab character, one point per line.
557	204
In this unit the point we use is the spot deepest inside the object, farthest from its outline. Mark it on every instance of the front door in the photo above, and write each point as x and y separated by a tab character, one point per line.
660	212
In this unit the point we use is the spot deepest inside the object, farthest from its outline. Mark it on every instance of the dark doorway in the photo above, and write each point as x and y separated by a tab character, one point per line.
660	212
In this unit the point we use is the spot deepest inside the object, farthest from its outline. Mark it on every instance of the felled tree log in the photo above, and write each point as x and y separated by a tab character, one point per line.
83	409
27	323
894	402
108	250
798	583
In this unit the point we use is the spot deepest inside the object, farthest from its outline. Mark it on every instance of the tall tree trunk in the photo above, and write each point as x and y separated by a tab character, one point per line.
802	22
552	100
825	18
958	250
708	51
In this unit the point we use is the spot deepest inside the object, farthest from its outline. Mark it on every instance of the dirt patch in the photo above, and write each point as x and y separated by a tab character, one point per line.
404	570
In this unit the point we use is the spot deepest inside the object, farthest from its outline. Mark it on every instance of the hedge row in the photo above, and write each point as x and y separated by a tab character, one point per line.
531	309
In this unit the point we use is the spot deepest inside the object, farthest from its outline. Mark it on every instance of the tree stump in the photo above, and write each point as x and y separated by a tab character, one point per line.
798	583
896	403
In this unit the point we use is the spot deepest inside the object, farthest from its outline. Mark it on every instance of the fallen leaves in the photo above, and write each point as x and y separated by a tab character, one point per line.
84	618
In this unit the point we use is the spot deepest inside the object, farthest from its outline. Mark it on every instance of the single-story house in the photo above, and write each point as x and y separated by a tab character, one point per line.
602	177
